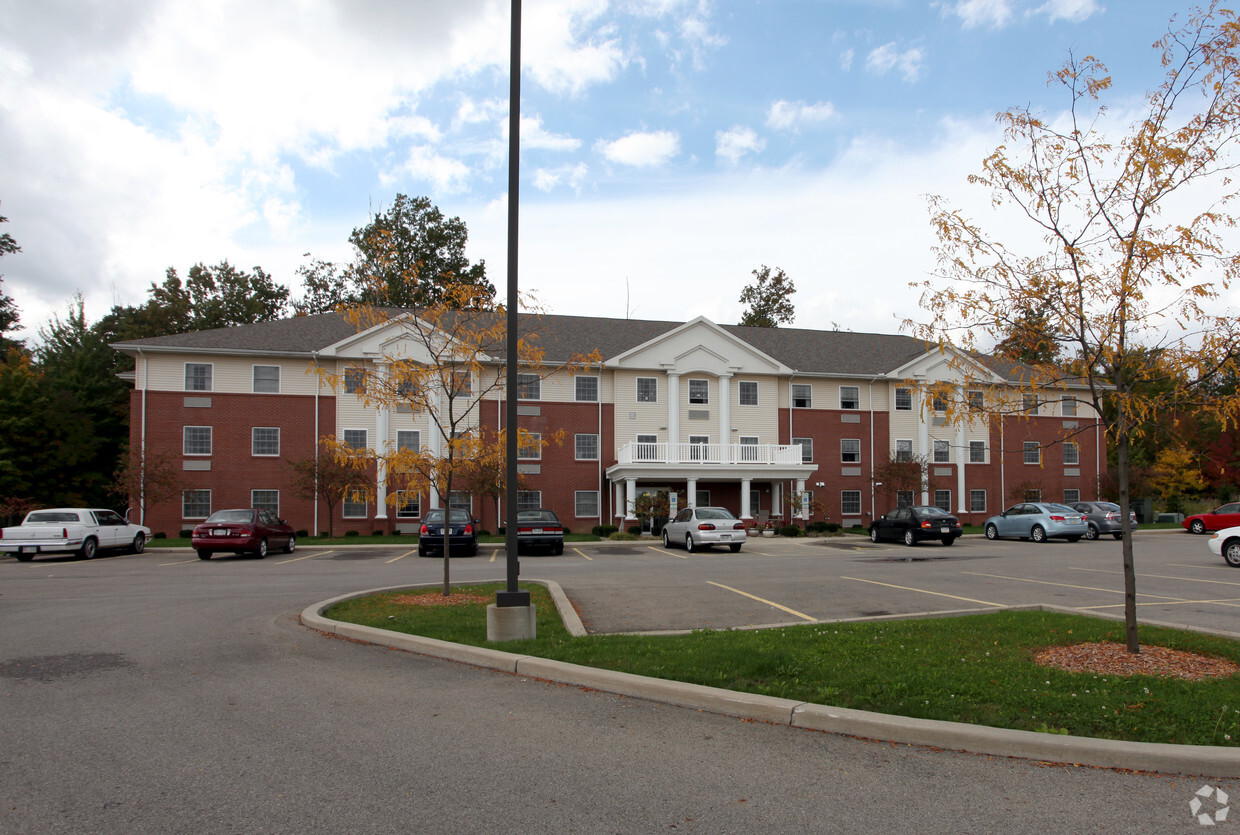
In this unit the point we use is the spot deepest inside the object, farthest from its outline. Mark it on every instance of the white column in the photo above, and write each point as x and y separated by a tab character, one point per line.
436	444
923	442
630	499
725	417
382	431
673	417
777	498
962	456
746	510
620	504
801	492
691	491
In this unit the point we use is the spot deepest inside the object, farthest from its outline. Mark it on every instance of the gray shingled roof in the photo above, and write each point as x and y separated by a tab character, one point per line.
561	337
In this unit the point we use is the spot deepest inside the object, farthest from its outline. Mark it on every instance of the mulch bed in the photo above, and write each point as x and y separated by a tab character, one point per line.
1114	659
438	599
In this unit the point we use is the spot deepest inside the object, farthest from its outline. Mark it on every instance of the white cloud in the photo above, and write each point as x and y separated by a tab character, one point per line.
735	142
572	176
445	174
534	136
888	57
846	59
564	54
641	149
976	13
1073	11
790	115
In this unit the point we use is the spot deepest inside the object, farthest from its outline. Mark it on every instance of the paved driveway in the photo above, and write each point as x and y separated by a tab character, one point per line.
160	693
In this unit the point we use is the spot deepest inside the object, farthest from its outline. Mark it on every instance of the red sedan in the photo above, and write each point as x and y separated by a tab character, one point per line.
242	531
1227	516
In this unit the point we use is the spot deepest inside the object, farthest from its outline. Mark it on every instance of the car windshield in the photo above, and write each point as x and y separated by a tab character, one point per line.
436	516
234	516
931	511
714	513
51	517
536	516
1107	506
1059	508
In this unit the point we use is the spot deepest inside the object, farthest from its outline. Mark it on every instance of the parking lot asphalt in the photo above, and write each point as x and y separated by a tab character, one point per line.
162	693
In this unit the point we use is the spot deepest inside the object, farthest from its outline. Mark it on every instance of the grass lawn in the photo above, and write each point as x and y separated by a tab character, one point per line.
975	669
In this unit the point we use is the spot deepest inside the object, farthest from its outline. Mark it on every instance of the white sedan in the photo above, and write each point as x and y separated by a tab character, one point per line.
696	527
1226	544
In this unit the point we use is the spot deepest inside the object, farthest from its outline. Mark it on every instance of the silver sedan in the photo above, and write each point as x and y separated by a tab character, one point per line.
1038	521
697	527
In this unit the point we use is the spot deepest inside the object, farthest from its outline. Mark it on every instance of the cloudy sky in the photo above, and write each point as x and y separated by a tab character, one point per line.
669	147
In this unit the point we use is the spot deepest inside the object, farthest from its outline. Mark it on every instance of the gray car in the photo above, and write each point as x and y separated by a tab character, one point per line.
697	527
1038	521
1104	517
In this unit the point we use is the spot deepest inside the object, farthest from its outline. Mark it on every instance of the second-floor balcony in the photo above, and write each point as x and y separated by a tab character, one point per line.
707	454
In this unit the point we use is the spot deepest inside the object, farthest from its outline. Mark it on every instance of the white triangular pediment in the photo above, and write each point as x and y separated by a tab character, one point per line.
394	339
698	346
945	365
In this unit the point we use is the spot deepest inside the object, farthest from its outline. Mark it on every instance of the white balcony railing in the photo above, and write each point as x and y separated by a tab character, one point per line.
707	454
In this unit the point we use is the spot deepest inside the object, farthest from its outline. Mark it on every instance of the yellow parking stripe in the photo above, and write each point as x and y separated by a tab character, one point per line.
584	554
668	552
183	562
927	591
1170	601
306	557
1066	585
1164	576
401	557
762	600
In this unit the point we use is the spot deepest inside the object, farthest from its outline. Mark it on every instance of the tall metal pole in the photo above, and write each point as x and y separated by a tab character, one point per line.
512	596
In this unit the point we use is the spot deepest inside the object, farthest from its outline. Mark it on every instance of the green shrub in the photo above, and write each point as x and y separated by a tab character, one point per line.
159	535
303	534
788	530
603	531
377	533
323	534
566	530
617	536
635	530
833	527
185	533
484	532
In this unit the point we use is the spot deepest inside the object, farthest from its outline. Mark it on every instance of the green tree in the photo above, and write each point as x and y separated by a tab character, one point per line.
1030	338
8	308
1130	274
326	478
768	300
215	297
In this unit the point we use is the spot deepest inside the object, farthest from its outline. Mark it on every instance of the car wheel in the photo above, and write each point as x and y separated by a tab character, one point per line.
667	543
422	551
473	549
261	550
1198	527
1091	532
90	547
689	546
948	540
736	547
291	546
1037	533
559	549
992	532
1231	552
909	538
1118	535
874	534
25	557
204	555
139	544
1073	538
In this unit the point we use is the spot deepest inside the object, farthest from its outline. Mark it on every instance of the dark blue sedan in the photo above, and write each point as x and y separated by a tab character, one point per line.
462	534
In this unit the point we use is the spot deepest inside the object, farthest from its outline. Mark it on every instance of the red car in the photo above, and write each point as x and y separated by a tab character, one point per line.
1227	516
242	531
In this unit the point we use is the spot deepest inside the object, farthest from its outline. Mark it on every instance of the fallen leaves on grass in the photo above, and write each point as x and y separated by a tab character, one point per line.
455	599
1111	658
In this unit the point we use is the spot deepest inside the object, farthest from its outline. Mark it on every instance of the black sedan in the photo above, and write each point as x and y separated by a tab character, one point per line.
539	529
462	534
911	525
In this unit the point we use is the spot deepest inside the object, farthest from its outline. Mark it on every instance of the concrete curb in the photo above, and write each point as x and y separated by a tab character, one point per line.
1198	760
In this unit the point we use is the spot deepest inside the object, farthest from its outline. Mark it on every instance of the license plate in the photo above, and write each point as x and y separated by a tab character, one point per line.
28	549
219	532
945	530
536	530
725	536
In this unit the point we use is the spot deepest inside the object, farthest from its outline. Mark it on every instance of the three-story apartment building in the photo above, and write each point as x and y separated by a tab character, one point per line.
775	423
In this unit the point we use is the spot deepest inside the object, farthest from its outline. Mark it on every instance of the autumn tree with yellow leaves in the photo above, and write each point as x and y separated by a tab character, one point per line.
1133	253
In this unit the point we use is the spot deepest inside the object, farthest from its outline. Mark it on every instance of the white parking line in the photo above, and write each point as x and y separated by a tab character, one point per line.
762	600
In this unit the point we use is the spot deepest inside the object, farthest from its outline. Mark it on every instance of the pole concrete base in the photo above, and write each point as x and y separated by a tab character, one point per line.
511	623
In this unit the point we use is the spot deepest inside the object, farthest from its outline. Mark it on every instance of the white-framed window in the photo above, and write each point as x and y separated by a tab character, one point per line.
699	392
409	439
1033	452
904	498
586	447
977	501
943	500
942	452
196	440
1071	495
850	397
195	504
939	404
529	446
354	506
585	503
850	502
747	393
1030	402
850	450
529	499
807	448
748	448
977	400
355	438
1071	453
802	396
904	399
586	389
462	500
904	449
264	440
647	389
266	379
198	376
266	500
977	452
698	447
529	387
1067	406
408	505
355	380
